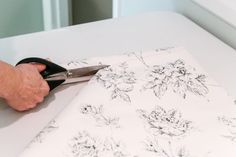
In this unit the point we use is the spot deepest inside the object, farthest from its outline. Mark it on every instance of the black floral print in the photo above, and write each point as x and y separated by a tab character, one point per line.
98	114
85	145
176	76
120	81
152	145
118	124
163	122
79	63
230	124
48	129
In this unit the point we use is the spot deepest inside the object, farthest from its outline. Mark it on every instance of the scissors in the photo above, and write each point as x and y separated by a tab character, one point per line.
55	75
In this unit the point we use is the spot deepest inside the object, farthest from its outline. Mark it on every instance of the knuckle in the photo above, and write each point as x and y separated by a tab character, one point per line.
21	108
31	105
24	103
39	99
45	88
16	106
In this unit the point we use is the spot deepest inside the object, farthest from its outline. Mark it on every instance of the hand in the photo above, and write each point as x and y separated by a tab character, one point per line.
29	87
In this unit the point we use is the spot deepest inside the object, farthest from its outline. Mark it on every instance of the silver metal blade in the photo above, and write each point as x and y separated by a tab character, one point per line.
78	79
76	75
85	71
82	74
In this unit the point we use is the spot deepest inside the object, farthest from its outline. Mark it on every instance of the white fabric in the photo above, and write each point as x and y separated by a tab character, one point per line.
158	103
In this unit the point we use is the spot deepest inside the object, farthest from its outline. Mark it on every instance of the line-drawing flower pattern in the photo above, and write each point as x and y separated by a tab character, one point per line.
85	145
77	63
167	124
159	131
98	114
139	57
119	80
230	123
48	129
153	145
177	76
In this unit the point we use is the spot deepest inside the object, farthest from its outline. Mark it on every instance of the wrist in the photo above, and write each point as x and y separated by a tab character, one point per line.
10	81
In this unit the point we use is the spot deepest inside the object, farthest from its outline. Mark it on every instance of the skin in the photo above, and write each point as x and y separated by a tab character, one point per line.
22	87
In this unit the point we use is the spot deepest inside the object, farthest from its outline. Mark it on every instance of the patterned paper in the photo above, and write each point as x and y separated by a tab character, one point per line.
159	103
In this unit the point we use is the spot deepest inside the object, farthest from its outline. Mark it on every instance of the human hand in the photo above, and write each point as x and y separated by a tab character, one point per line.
29	87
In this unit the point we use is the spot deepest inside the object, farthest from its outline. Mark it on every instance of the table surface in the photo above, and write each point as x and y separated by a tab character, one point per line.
109	37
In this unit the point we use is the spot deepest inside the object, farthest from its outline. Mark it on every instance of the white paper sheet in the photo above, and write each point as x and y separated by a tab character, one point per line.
158	103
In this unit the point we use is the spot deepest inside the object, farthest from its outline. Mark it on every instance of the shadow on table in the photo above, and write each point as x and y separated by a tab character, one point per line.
9	115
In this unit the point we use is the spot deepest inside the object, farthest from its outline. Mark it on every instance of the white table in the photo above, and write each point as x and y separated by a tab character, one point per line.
115	36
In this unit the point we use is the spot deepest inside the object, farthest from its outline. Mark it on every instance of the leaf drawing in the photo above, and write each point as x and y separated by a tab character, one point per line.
48	129
153	145
85	145
77	63
98	114
230	124
119	80
176	76
139	57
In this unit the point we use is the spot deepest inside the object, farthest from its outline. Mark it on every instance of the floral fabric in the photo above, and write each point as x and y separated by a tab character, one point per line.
158	103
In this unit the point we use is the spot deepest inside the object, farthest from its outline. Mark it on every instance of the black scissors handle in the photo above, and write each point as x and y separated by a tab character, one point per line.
51	68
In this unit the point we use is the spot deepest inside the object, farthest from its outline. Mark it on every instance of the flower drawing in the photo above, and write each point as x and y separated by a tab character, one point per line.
98	114
176	76
169	123
119	80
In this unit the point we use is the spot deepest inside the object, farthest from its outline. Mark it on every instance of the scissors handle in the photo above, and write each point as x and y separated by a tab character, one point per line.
51	68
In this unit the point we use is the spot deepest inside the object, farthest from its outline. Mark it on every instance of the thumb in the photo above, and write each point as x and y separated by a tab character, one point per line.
39	67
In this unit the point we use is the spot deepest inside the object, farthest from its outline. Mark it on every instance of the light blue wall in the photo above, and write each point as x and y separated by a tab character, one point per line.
20	17
131	7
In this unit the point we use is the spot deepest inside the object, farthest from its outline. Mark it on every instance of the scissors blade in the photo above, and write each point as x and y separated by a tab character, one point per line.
82	74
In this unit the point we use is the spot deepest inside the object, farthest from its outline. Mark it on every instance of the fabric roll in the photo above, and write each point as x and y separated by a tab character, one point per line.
146	104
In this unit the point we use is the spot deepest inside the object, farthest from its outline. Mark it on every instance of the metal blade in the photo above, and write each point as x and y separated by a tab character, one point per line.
82	74
85	71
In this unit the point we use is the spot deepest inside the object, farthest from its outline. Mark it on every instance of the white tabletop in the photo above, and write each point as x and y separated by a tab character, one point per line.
115	36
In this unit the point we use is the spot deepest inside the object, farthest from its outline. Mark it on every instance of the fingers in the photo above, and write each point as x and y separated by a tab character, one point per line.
39	67
21	106
44	88
31	87
42	91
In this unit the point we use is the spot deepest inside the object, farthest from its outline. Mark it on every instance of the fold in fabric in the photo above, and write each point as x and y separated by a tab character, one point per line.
157	103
